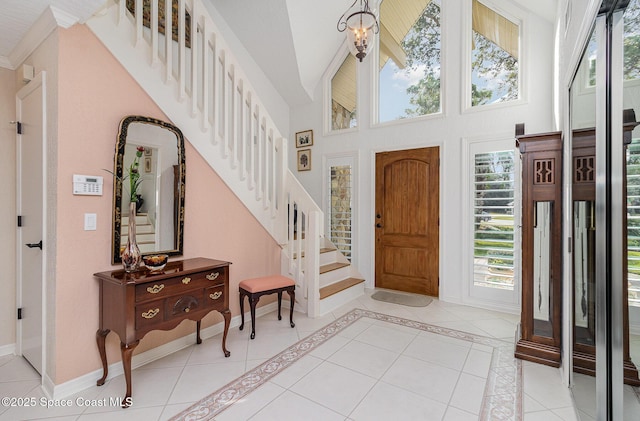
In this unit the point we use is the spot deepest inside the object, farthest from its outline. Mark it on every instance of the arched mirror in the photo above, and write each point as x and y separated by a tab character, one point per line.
160	204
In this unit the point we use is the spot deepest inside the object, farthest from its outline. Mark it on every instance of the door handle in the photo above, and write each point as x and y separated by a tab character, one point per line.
34	245
378	225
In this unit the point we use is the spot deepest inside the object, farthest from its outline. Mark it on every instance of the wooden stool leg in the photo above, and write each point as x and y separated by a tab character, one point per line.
254	301
292	298
198	338
241	310
279	304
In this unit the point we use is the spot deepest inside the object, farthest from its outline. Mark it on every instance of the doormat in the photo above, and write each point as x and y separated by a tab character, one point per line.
411	300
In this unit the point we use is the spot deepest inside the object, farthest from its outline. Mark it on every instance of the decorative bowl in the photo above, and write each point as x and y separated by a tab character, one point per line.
155	262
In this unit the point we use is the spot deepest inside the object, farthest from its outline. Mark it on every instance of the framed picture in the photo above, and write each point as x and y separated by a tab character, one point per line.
304	139
304	160
147	164
148	151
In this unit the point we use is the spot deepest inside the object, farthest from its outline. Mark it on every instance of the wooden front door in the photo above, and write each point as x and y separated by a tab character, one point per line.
407	220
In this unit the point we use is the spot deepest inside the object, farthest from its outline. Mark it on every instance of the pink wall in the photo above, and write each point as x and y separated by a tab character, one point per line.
95	92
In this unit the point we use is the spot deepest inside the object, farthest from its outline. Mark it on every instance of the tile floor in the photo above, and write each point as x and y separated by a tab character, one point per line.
378	366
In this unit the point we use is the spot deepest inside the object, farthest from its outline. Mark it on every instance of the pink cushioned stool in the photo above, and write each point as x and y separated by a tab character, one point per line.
257	287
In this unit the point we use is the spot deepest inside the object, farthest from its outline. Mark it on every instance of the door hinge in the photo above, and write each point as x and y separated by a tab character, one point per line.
18	127
19	220
19	314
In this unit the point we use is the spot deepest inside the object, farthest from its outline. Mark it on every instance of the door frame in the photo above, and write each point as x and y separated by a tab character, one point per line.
370	220
39	82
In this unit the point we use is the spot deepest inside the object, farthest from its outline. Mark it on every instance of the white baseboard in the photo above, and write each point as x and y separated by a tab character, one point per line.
88	380
7	349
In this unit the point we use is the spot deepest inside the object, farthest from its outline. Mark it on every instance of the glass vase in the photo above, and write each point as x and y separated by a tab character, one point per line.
131	256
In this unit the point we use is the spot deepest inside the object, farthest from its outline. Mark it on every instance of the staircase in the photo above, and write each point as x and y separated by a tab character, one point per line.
145	233
193	76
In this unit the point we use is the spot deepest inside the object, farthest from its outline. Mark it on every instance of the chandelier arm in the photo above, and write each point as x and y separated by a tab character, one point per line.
342	23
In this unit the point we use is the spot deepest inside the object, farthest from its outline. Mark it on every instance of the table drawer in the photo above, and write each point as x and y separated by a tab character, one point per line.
167	287
150	313
181	306
215	297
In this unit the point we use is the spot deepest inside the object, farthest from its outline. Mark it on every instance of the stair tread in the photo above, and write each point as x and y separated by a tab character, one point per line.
332	266
322	250
335	288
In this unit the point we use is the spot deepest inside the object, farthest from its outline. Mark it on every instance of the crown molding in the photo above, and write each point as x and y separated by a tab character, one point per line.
46	23
5	63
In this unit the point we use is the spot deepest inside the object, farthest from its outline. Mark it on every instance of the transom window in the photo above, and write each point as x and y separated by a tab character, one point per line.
343	95
495	56
409	53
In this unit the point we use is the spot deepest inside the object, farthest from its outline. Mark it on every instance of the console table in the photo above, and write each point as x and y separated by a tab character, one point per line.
133	304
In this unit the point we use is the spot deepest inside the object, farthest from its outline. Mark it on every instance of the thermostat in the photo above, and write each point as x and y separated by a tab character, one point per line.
90	185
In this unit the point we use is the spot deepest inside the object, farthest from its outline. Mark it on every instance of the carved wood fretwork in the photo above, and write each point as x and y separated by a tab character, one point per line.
544	169
585	169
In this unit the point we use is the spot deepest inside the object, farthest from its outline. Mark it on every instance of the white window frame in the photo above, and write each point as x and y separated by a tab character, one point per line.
503	300
515	15
331	160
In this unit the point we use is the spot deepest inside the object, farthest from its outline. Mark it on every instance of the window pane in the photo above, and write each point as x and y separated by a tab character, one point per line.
633	221
494	57
340	207
343	95
493	220
409	79
632	41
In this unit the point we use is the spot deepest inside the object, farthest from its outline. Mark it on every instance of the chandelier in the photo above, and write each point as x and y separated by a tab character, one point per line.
361	25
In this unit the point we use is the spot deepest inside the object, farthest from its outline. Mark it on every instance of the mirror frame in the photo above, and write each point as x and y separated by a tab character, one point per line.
117	186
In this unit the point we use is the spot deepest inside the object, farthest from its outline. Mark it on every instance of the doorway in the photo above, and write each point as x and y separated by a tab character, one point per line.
407	239
31	138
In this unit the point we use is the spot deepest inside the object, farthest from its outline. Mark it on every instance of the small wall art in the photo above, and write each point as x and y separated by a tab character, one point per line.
147	164
304	160
304	139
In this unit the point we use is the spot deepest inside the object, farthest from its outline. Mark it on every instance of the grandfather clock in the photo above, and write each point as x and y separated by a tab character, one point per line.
584	229
540	325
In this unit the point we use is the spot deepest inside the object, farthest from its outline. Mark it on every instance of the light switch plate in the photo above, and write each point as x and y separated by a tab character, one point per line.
90	221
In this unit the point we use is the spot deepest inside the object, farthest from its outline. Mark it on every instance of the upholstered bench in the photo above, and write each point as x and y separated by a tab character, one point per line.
257	287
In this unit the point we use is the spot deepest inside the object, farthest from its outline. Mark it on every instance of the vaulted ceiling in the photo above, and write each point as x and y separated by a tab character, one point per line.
293	41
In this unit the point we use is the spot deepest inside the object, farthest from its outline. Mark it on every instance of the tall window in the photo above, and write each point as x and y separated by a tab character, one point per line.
632	41
633	222
343	95
339	203
493	233
494	56
410	41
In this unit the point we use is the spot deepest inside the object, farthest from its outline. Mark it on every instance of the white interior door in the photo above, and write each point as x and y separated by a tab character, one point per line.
30	103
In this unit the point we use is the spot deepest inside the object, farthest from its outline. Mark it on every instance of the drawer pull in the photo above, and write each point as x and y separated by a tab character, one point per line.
155	289
186	310
215	295
151	313
186	281
213	276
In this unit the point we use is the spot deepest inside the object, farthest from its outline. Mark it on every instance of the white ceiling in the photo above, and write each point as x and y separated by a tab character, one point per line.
293	41
17	16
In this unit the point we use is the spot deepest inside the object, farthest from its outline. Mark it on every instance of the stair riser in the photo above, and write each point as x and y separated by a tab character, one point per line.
140	229
334	276
328	257
140	238
335	301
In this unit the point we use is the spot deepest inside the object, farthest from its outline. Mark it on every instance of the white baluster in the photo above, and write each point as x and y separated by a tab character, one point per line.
195	55
182	56
154	33
168	41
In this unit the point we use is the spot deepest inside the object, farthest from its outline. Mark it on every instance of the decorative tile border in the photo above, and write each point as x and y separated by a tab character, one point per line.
502	394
